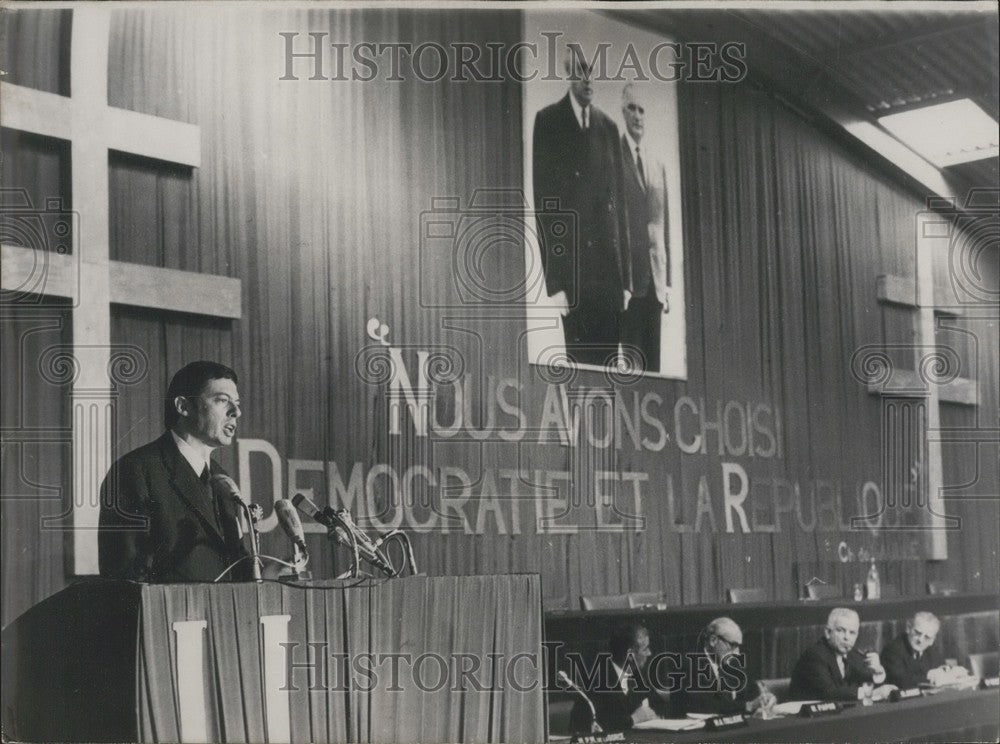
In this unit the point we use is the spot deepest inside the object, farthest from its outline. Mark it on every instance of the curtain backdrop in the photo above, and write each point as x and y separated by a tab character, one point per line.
452	658
311	193
445	619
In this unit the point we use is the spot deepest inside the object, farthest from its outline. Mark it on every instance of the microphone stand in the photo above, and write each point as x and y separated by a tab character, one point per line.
300	558
595	727
405	540
252	516
297	571
331	532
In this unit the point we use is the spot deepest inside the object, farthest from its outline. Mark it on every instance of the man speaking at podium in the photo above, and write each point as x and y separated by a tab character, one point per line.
163	516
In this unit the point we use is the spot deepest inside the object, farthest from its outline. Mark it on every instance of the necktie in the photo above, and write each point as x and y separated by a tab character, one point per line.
206	480
840	666
642	172
586	117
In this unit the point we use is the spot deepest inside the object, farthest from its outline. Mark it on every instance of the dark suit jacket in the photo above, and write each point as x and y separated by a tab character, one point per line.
159	523
638	221
583	171
703	692
817	677
901	669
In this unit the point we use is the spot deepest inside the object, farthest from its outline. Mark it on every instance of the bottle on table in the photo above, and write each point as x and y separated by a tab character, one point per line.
872	588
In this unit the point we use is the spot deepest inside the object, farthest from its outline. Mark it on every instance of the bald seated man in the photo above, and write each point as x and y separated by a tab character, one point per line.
715	679
832	669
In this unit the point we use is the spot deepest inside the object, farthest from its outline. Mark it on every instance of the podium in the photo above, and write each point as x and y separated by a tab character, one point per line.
414	659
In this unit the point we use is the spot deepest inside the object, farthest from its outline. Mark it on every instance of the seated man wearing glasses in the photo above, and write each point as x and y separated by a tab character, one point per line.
715	679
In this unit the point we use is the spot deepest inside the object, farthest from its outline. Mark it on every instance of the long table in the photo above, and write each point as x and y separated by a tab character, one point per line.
776	633
951	715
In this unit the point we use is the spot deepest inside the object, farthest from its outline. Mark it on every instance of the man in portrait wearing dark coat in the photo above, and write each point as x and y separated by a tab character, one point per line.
165	515
577	170
646	200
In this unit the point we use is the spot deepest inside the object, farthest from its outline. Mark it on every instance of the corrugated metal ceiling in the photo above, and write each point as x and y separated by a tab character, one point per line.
868	62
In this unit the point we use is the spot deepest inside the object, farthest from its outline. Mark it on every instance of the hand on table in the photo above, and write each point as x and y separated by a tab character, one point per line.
882	692
764	700
643	713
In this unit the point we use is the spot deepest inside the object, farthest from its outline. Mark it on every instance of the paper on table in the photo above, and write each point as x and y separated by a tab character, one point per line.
670	724
959	684
944	677
701	716
791	708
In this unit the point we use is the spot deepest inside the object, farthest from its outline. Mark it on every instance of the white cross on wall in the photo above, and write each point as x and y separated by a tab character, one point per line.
88	277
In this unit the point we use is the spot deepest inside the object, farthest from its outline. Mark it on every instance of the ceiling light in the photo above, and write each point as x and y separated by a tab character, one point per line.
946	133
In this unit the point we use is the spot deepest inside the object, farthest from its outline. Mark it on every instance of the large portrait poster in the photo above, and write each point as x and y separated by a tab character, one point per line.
602	179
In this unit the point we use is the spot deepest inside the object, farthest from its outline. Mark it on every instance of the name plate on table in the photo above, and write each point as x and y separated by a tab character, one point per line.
989	683
819	709
896	695
597	738
719	723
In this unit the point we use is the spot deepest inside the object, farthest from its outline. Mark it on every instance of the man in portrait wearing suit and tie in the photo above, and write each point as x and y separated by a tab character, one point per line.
909	657
164	517
831	669
577	169
646	199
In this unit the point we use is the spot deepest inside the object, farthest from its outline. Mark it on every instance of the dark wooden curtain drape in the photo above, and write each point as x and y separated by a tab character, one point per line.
310	192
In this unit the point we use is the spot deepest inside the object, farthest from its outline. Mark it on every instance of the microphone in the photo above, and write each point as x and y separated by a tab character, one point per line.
365	545
595	727
228	486
230	489
342	527
323	516
288	518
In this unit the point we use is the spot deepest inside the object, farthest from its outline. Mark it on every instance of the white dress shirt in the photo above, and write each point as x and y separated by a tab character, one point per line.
194	458
578	110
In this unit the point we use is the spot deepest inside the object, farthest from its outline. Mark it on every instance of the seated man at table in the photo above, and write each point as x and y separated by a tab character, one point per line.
910	656
910	659
832	669
617	685
715	679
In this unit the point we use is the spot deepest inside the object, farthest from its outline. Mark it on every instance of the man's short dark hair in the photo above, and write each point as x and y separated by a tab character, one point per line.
623	637
189	381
